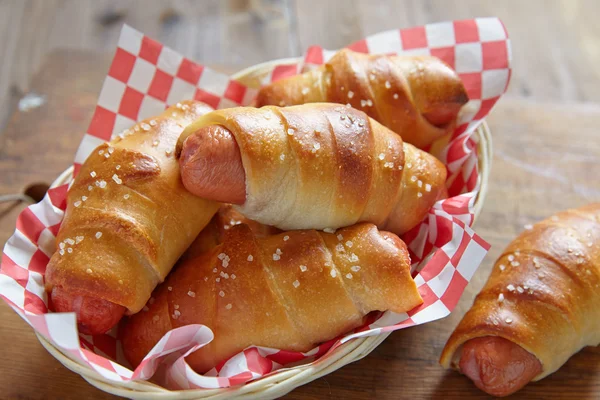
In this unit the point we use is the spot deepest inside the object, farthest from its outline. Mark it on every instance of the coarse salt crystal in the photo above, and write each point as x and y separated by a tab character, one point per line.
500	297
340	237
282	157
333	273
100	152
278	251
420	183
303	268
90	188
111	150
353	257
176	306
286	238
349	275
427	187
419	194
221	256
250	258
355	268
125	196
218	279
84	198
515	263
502	267
232	276
78	239
276	257
93	174
152	122
381	156
89	271
69	250
511	257
61	252
520	289
511	288
329	230
61	245
70	241
413	178
339	247
222	293
508	320
228	306
117	180
349	243
77	203
215	270
305	91
145	126
350	94
296	283
98	235
395	95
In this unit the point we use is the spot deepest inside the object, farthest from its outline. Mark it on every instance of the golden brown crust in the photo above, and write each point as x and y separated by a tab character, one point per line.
213	234
324	165
543	293
128	216
417	97
289	291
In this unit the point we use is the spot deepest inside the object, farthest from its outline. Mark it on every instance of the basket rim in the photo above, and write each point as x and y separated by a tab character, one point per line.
284	380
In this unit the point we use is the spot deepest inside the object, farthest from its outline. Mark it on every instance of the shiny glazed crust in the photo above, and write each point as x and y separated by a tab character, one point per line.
400	92
128	216
289	291
543	293
324	165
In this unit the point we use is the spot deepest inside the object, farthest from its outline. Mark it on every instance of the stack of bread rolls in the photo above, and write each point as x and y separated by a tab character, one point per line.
282	223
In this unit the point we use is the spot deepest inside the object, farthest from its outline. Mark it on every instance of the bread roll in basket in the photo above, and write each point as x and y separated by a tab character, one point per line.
283	381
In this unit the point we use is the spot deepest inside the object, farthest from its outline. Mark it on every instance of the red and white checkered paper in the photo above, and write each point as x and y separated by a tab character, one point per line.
145	77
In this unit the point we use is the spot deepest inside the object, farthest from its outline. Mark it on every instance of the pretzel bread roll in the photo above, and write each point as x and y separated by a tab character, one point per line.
417	97
540	305
290	291
313	166
213	234
128	219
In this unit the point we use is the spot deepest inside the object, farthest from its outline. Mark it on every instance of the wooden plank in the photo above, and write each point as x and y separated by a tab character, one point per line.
234	32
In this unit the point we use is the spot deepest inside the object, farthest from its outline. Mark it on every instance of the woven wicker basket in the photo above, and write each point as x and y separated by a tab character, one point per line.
282	382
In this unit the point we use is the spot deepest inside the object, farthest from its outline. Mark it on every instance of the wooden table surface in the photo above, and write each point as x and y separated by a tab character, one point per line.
546	147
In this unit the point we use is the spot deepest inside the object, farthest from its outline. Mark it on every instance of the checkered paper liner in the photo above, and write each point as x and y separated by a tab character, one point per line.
145	77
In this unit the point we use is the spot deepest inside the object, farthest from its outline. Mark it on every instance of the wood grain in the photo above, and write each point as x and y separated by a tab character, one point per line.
546	148
554	42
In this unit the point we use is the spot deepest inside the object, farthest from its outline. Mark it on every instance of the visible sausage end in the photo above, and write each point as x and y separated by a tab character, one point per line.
211	165
498	366
94	316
